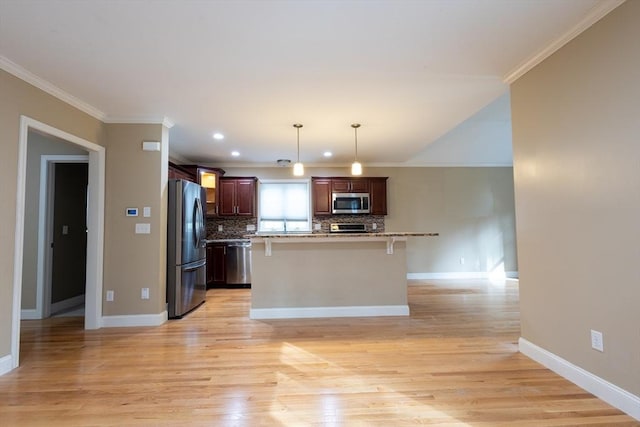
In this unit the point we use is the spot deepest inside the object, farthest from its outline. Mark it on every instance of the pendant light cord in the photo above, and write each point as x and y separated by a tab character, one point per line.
356	132
355	127
298	126
298	132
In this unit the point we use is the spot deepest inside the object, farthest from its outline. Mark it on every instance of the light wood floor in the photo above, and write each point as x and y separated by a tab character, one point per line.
454	361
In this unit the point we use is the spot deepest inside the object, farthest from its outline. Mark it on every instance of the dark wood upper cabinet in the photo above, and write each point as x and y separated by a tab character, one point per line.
350	185
178	172
209	179
322	187
321	193
378	195
237	196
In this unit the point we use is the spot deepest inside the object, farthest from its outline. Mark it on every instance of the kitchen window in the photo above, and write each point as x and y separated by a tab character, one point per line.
284	206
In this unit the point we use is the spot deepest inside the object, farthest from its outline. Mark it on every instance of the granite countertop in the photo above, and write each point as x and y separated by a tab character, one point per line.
244	239
339	235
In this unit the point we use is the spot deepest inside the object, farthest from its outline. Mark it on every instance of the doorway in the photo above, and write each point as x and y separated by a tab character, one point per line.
67	242
40	201
94	233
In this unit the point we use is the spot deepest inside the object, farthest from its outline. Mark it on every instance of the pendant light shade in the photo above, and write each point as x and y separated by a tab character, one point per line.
356	167
298	168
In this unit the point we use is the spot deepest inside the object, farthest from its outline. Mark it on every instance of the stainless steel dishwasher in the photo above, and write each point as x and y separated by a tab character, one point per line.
239	263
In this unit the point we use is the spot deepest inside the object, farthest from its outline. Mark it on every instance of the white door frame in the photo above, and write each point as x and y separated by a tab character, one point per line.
45	227
95	225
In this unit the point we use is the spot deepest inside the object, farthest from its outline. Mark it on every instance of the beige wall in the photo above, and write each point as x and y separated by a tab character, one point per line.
37	146
471	208
20	98
135	261
576	143
133	178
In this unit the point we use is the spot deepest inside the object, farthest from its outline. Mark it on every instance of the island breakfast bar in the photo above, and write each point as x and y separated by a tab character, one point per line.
329	275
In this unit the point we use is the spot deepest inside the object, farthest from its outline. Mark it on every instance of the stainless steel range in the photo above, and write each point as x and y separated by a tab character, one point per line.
348	228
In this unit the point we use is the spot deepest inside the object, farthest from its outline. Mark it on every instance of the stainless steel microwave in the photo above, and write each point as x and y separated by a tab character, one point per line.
350	203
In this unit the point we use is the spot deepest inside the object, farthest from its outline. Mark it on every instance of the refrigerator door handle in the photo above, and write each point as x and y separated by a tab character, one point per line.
198	222
194	265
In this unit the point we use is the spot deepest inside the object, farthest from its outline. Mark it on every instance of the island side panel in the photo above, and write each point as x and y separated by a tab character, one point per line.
328	274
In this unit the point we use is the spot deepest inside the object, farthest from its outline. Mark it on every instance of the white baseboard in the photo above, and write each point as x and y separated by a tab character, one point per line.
463	275
29	314
610	393
313	312
134	320
6	364
66	304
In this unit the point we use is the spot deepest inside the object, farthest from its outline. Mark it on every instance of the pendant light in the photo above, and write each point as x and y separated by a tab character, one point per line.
298	168
356	167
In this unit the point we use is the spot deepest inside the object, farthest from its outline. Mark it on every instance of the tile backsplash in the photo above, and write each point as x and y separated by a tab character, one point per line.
236	227
232	228
368	220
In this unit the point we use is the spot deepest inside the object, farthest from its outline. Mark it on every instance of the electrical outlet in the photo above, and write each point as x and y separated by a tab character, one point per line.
461	260
374	226
597	341
109	295
220	228
145	293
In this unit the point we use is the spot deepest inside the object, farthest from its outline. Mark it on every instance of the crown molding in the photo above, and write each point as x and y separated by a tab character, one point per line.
27	76
23	74
144	120
364	165
594	15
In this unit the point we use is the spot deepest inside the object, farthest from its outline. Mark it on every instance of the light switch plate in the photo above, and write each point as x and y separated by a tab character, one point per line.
150	146
597	341
251	227
143	228
146	211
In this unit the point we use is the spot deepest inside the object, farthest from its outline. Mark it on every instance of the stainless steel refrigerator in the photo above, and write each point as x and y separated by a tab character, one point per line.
186	247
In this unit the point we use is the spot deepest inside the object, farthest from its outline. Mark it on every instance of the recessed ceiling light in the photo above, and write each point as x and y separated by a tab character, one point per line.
235	153
327	154
218	136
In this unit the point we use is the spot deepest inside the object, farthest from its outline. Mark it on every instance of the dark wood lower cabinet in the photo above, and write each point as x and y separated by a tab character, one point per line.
216	264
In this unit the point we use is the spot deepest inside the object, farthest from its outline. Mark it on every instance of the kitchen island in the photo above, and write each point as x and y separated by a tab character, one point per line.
329	275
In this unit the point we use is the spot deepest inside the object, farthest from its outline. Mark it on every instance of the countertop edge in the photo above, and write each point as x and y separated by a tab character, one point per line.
337	236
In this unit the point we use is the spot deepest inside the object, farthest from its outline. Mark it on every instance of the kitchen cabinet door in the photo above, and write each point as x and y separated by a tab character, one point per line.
227	197
177	172
378	195
209	179
237	197
216	264
321	193
246	197
350	185
209	265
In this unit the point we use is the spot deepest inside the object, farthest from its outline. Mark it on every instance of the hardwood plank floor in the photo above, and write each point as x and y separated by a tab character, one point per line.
454	361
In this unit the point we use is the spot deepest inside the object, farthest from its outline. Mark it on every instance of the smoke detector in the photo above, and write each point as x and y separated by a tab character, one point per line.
283	162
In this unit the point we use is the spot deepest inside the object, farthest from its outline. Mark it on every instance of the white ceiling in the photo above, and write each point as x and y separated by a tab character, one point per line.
410	71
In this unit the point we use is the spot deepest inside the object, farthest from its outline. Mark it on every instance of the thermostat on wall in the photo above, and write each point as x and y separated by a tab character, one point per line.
132	211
